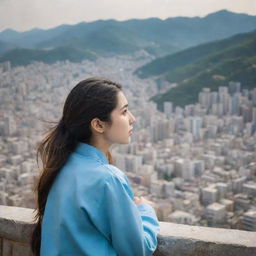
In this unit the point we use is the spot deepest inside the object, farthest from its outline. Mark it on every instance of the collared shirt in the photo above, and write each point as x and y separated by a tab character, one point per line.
90	211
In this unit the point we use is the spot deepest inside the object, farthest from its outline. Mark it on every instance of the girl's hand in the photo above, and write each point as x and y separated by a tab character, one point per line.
142	200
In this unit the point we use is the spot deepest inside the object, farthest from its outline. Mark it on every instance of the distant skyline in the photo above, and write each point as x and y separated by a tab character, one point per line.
28	14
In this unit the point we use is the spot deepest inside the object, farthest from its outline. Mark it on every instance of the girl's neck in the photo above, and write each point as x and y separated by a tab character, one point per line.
101	145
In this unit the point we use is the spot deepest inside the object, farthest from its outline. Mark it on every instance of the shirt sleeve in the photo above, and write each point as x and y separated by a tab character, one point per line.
133	228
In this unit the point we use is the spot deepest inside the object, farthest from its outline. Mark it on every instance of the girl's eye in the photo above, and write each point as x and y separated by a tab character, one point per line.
125	111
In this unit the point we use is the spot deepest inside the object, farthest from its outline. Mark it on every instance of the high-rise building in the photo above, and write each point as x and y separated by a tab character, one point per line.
209	195
222	189
156	188
182	217
168	189
250	189
199	167
6	66
253	95
195	124
236	102
249	220
216	214
163	211
161	130
229	204
9	126
237	184
184	168
133	163
209	160
246	113
234	87
248	130
214	97
168	108
241	202
204	97
119	160
254	114
188	171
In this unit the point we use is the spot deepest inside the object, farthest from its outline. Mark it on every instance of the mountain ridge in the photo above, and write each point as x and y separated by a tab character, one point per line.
110	37
235	62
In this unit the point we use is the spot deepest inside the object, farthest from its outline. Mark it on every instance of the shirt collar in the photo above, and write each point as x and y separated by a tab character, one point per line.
91	152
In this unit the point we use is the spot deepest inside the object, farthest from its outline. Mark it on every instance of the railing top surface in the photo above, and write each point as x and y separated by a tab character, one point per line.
209	234
17	214
24	216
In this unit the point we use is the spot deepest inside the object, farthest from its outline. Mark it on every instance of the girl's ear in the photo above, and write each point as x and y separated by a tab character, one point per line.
97	125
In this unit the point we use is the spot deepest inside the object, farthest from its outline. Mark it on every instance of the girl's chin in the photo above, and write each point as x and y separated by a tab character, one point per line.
126	141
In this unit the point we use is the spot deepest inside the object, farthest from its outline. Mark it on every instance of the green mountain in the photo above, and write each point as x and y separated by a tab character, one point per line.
189	56
110	40
179	32
26	56
231	61
29	39
110	37
159	37
4	47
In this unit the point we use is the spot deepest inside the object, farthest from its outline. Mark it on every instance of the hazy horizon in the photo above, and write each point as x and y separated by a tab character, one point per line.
18	16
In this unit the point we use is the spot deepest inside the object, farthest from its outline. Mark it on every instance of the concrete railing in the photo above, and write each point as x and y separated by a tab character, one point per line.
173	240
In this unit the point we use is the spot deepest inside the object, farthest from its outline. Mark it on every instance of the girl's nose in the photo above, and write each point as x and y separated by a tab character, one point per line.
132	118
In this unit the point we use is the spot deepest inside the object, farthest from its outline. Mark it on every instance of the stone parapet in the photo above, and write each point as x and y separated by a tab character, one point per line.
16	225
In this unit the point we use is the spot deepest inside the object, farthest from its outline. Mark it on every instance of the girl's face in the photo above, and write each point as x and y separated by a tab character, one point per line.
122	119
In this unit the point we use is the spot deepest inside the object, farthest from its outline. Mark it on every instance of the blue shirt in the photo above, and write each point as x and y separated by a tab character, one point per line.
90	211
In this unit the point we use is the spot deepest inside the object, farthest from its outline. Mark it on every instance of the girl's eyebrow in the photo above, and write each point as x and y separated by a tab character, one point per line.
125	106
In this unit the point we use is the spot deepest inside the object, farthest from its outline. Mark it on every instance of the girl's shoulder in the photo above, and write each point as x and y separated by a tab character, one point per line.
115	172
117	179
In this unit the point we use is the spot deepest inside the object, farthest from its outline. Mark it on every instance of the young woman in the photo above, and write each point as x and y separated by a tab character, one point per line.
86	206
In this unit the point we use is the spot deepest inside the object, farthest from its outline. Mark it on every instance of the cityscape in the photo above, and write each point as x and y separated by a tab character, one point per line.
197	164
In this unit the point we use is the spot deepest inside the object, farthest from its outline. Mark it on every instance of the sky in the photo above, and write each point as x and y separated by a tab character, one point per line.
23	15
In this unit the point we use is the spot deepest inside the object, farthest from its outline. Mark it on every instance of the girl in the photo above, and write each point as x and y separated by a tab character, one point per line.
86	206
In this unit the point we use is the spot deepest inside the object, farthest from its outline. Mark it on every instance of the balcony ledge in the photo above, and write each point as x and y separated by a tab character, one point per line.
16	225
